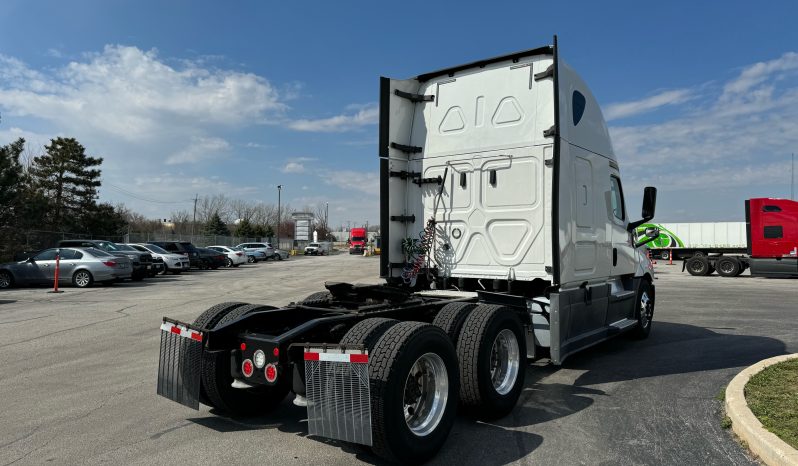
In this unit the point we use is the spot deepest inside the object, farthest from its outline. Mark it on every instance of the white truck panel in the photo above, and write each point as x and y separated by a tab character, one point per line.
708	234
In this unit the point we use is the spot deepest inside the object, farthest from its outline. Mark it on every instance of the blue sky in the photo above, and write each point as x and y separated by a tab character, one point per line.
186	97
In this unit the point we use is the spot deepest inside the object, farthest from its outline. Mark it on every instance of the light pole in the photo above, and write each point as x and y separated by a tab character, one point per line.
327	218
279	190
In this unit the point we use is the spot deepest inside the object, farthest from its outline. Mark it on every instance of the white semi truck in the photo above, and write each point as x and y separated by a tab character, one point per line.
505	239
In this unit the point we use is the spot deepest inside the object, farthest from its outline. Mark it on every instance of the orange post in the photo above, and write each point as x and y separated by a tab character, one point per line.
670	256
57	269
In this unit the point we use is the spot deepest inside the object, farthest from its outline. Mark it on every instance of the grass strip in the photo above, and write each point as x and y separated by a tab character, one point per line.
772	396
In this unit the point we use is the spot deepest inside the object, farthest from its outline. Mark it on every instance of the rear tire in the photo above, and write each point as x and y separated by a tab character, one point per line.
367	332
251	259
451	317
217	379
82	279
413	379
229	262
6	279
728	267
321	298
698	266
491	350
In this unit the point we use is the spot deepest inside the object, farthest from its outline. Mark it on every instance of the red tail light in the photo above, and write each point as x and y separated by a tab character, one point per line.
239	254
271	373
110	263
247	368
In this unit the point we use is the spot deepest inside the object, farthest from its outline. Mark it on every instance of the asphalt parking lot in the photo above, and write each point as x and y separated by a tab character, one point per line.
78	369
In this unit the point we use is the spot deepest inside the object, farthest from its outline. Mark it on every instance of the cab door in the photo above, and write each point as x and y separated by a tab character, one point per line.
622	255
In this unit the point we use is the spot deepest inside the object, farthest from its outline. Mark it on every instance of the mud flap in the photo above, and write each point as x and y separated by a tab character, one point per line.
179	364
338	395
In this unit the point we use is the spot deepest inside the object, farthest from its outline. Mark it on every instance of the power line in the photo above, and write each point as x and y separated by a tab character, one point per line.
141	198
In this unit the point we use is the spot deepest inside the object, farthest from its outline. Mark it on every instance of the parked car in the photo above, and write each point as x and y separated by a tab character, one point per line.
81	267
174	263
211	259
181	247
157	265
266	248
280	255
317	249
234	258
142	261
252	256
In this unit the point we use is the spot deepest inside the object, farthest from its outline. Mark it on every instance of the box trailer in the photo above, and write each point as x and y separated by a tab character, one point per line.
505	238
767	242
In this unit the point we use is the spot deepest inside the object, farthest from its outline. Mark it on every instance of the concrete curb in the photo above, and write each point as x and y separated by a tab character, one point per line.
771	449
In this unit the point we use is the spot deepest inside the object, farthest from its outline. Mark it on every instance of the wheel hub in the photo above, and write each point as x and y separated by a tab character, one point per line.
425	394
82	279
505	362
646	309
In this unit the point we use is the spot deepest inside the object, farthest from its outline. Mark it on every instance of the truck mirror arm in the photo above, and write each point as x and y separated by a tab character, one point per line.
644	242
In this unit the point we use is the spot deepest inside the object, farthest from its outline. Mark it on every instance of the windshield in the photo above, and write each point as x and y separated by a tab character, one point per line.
97	252
155	249
358	238
314	245
107	246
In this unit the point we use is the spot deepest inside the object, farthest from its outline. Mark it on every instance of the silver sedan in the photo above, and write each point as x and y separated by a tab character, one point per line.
81	267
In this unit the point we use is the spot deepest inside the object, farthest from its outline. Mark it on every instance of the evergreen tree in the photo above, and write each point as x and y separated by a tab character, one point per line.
69	179
11	181
245	229
104	220
216	226
269	233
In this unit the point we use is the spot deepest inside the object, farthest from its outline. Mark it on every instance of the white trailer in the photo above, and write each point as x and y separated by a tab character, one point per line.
505	238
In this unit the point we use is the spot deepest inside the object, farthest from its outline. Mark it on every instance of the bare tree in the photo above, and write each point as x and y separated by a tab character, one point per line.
182	221
210	205
242	210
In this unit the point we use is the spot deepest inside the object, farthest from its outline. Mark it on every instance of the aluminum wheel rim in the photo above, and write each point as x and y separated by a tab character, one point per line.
505	361
645	309
82	279
697	266
726	266
426	393
5	280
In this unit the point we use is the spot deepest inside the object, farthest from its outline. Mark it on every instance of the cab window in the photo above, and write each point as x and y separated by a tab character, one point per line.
616	198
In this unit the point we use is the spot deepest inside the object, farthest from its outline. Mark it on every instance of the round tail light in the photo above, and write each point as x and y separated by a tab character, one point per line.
271	372
247	368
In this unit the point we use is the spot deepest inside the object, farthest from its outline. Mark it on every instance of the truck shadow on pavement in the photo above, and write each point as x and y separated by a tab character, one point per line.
671	349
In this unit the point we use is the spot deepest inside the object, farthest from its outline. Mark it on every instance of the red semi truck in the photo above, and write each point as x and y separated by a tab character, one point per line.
357	240
770	250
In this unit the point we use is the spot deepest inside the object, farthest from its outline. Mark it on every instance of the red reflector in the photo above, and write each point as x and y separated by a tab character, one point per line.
311	356
247	368
176	330
361	358
196	336
276	352
271	373
243	346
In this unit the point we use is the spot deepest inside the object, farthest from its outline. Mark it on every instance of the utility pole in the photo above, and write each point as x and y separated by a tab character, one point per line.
196	198
279	218
326	219
792	179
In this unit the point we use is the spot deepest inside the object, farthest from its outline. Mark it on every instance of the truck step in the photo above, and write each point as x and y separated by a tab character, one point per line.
621	325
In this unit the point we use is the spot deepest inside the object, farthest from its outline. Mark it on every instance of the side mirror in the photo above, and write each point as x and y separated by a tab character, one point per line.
651	234
649	202
649	205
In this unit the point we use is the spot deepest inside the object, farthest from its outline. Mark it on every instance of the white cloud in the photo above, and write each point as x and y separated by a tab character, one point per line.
366	182
363	115
736	138
132	94
620	110
293	167
200	149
